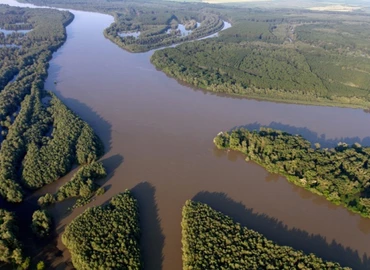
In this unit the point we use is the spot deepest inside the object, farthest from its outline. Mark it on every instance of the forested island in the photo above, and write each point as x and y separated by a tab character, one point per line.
212	240
340	174
294	56
106	237
41	139
141	26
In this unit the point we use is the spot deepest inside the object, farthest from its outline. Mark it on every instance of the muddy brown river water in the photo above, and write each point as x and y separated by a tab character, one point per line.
158	136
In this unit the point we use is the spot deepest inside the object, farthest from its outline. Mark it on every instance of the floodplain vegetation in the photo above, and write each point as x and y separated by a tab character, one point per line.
340	174
106	237
285	55
41	139
141	26
82	185
212	240
294	56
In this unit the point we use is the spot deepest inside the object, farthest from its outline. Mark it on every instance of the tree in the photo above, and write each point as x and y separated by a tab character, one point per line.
41	223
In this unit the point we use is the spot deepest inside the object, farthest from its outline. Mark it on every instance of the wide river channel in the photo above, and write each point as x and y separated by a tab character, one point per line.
158	136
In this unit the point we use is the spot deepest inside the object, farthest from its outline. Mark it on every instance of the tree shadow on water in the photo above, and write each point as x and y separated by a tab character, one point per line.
308	134
278	232
111	164
101	126
152	238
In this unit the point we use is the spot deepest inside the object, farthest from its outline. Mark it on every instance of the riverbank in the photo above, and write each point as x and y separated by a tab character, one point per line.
273	96
203	77
158	137
317	170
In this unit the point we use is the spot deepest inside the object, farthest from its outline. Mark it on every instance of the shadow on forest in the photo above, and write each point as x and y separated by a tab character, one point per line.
278	232
152	238
308	134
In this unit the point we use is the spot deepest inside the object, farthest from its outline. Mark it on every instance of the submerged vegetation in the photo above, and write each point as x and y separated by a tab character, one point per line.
212	240
341	174
106	237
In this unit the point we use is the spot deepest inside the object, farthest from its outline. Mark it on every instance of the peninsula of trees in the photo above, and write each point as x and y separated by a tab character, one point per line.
341	174
212	240
285	55
82	185
106	237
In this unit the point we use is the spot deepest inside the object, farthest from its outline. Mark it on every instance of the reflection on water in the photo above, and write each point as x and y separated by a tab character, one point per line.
130	34
9	32
272	177
181	29
164	131
10	46
310	135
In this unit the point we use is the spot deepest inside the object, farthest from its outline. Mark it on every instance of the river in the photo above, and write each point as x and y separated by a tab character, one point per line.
158	136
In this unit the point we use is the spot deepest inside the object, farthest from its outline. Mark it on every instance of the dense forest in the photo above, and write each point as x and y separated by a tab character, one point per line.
32	152
106	237
340	174
285	55
10	247
212	240
144	25
41	139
